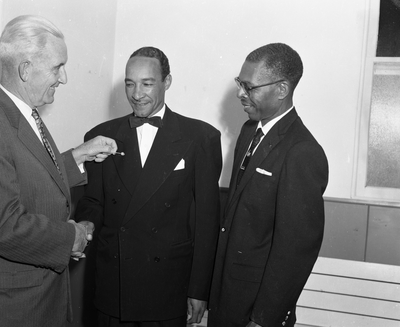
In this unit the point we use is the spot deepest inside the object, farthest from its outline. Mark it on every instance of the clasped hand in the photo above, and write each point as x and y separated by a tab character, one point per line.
83	235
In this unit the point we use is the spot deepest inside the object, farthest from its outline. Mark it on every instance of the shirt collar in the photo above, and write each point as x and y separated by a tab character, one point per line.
267	127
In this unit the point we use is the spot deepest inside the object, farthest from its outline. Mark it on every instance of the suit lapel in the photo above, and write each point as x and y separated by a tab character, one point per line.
129	167
167	150
270	141
33	144
28	137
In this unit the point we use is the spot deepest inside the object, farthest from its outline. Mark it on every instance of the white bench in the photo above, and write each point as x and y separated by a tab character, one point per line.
350	294
344	293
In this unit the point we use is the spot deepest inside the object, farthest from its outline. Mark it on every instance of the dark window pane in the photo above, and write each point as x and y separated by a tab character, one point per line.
389	29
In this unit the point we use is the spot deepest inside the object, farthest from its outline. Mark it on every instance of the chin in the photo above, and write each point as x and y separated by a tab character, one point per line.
48	100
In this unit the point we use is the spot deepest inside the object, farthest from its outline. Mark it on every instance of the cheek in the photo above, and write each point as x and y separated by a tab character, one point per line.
128	92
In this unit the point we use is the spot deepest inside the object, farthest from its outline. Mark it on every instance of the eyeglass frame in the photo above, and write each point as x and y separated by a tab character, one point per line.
247	89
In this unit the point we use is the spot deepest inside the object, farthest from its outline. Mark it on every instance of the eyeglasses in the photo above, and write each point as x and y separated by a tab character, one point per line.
247	89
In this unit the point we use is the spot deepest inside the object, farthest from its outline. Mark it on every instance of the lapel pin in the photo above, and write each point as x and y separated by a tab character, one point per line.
120	153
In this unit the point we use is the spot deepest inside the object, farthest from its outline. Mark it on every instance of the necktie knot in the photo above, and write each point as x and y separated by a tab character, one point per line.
257	137
135	121
35	114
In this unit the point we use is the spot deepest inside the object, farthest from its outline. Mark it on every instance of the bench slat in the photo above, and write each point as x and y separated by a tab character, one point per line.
358	269
354	286
349	304
317	318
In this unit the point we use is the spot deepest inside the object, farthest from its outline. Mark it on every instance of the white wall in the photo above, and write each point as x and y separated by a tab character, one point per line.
207	42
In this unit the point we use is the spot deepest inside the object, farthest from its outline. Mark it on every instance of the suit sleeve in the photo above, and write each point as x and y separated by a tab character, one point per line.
207	214
74	174
90	206
298	232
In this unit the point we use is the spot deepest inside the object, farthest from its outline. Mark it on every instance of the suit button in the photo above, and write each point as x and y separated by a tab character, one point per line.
114	201
156	259
167	204
223	229
123	229
154	230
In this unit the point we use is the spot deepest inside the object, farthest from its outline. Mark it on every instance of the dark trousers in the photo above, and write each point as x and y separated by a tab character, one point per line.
109	321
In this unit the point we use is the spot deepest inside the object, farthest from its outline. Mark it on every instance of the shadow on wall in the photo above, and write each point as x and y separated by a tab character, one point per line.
119	105
232	118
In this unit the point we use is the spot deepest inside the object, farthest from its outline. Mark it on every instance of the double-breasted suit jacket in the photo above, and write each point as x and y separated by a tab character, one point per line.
35	240
272	228
157	226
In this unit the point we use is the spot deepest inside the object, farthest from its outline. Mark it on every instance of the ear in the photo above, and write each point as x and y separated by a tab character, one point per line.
284	90
24	69
167	82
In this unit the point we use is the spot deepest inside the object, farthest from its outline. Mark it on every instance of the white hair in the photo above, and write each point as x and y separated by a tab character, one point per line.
25	36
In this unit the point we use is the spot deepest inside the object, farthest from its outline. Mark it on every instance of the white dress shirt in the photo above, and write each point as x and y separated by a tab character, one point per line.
146	135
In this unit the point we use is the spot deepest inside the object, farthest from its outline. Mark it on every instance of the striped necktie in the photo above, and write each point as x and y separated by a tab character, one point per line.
256	139
40	126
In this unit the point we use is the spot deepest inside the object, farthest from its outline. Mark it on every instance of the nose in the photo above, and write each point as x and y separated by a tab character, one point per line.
137	92
240	93
63	75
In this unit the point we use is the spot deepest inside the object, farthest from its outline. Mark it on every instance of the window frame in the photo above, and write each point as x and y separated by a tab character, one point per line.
360	190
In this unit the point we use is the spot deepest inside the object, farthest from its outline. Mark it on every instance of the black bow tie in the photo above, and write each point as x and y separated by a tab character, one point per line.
135	121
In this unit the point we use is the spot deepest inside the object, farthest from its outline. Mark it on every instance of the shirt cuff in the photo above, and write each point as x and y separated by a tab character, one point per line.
81	168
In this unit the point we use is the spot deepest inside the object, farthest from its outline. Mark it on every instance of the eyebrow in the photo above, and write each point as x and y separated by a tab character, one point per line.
142	80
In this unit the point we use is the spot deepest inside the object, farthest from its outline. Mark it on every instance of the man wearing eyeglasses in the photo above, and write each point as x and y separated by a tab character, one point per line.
272	227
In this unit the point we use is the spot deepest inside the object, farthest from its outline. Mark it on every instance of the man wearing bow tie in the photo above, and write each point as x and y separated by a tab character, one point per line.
156	208
273	224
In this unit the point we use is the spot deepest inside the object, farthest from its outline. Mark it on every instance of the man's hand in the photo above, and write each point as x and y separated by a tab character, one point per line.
98	149
83	235
195	310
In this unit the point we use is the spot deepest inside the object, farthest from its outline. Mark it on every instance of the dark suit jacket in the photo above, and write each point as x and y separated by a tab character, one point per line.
152	252
272	229
35	240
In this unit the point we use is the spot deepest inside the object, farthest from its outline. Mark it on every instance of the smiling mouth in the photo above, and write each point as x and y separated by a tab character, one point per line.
140	104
